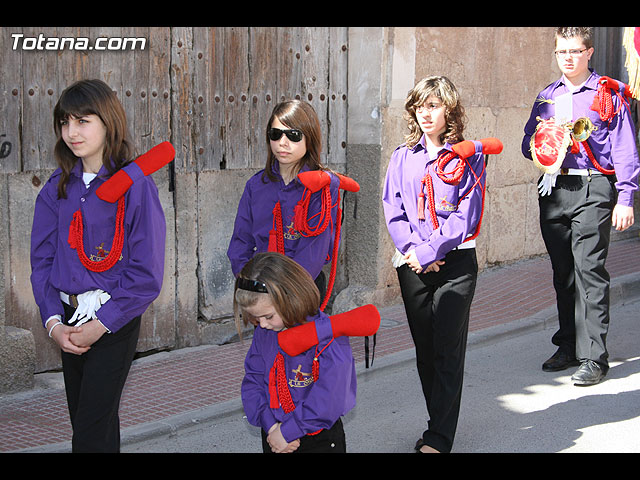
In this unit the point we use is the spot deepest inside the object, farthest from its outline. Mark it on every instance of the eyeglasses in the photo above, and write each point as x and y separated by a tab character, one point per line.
293	134
428	107
573	53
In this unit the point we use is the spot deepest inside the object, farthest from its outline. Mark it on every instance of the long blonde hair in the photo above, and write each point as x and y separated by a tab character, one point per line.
445	91
290	287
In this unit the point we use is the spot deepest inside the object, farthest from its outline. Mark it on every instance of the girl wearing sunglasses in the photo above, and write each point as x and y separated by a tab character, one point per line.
266	218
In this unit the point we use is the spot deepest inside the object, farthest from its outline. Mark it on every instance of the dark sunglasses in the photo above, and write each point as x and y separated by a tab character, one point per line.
293	135
251	285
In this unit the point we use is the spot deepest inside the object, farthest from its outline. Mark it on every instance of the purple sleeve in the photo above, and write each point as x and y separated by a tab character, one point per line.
331	396
529	130
242	244
44	237
140	281
624	155
395	212
254	391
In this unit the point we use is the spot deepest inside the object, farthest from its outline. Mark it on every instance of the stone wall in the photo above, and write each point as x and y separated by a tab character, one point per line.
498	71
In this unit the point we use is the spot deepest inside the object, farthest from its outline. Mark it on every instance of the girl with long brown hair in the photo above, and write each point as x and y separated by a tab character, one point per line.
278	211
97	262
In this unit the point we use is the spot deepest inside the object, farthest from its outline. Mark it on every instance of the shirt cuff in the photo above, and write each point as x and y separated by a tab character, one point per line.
426	254
109	314
53	317
267	420
625	198
290	430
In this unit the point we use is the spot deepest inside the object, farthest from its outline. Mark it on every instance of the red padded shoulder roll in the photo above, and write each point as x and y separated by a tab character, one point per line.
359	322
491	146
314	180
348	183
149	162
464	149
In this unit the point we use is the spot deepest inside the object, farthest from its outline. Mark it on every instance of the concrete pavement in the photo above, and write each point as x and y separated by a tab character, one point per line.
187	400
509	404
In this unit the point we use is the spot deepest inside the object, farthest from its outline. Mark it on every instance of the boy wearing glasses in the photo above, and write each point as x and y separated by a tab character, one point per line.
585	190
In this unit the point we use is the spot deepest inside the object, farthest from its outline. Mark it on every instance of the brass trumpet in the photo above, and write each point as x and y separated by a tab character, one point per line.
581	129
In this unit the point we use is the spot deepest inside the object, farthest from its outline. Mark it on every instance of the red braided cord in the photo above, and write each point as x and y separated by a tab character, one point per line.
284	395
316	364
605	102
276	235
334	257
452	178
431	199
477	182
301	222
315	370
595	163
76	241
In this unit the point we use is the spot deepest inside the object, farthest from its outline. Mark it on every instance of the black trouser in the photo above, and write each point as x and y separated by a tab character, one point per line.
326	441
94	383
575	221
437	306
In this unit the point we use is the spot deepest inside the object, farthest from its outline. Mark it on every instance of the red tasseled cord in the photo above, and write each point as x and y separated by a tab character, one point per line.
315	370
76	241
301	222
452	178
278	389
276	239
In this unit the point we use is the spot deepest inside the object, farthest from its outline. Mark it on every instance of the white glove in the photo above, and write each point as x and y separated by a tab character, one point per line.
547	182
88	303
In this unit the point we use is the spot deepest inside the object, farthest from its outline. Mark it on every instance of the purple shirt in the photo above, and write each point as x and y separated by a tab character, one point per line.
318	404
613	143
133	282
457	219
254	221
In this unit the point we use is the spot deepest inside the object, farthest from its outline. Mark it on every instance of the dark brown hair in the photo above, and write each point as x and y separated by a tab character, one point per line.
443	89
585	33
298	115
290	287
92	97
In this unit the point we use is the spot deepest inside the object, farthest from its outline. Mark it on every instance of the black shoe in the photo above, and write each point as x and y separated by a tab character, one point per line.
560	361
589	373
